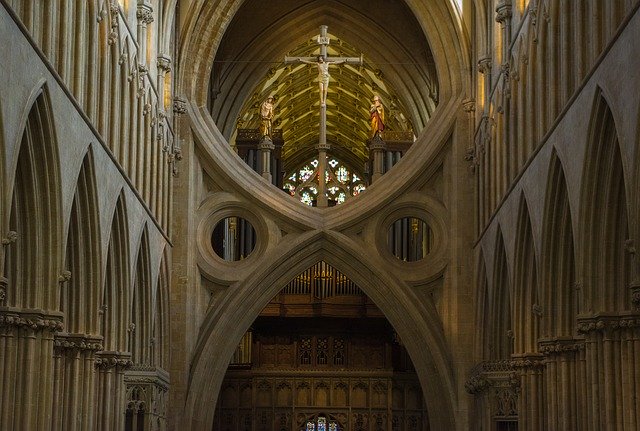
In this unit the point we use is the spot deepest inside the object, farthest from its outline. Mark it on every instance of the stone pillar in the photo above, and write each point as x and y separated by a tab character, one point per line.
74	381
565	394
266	146
110	389
530	367
144	14
164	67
378	148
26	367
322	168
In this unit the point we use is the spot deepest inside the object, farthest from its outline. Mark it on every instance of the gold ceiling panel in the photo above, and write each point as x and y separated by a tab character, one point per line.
297	112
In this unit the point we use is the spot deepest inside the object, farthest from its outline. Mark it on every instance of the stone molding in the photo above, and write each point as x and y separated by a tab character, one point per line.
503	12
33	319
144	13
76	341
604	322
111	359
179	105
558	346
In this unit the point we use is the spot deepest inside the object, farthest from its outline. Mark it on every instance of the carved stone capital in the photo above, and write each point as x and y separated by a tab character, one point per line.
164	64
110	359
83	342
179	105
33	319
560	345
528	361
323	147
484	65
10	238
377	144
144	13
503	12
266	144
605	322
469	105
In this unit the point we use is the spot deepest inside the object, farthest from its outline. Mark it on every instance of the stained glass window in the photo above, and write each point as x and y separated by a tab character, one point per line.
341	182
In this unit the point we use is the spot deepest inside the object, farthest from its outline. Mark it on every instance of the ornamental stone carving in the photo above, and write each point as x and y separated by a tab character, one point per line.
144	14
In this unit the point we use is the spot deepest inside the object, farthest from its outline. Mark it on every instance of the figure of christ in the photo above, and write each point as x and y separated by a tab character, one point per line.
323	74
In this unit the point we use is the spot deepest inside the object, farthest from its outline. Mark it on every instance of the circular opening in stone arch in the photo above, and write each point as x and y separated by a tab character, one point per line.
233	238
409	239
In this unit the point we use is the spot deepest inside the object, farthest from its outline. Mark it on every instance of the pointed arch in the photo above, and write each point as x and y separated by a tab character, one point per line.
160	330
561	302
483	312
115	293
501	342
139	341
33	262
525	285
604	218
80	296
417	323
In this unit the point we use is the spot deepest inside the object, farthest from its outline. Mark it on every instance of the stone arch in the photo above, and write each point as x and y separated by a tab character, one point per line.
604	229
501	342
558	289
527	310
80	295
242	302
115	293
160	318
141	303
33	262
483	312
79	301
207	21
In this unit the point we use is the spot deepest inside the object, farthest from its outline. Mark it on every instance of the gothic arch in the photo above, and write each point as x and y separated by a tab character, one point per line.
559	294
483	312
525	285
206	22
33	262
604	229
115	293
80	295
141	304
501	307
160	329
417	324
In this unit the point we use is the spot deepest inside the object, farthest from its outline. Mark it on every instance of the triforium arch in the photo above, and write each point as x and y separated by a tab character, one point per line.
604	229
80	300
559	296
417	324
32	263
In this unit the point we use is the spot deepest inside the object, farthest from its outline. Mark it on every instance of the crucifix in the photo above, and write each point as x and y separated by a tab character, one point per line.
323	61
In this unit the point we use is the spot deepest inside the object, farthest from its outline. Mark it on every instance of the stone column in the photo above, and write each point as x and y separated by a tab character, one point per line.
379	148
164	67
144	14
26	367
266	146
74	380
110	389
322	168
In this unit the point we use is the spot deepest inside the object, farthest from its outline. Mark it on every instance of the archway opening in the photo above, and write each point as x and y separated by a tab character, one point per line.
321	354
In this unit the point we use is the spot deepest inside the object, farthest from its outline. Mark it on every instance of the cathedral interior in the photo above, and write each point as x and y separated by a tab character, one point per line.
203	226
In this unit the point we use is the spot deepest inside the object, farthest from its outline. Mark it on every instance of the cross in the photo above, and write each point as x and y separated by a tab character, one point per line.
323	61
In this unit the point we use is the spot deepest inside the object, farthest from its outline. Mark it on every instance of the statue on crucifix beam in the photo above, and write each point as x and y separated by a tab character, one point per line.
323	61
323	75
